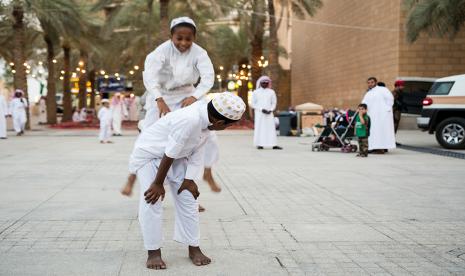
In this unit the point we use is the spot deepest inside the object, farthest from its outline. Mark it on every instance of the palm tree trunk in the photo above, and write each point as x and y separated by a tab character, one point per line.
164	28
67	104
19	56
243	91
92	76
83	81
274	46
51	87
258	29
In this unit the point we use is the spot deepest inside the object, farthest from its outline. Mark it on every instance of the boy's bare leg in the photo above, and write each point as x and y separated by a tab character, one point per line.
127	189
208	176
154	260
197	257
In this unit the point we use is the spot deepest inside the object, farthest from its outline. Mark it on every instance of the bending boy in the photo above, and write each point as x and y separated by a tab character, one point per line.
171	151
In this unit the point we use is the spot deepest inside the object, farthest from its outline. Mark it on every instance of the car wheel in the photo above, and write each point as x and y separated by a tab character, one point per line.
450	133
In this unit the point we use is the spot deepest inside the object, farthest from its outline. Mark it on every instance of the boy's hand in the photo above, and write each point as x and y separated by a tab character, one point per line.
154	193
188	101
266	111
162	107
190	186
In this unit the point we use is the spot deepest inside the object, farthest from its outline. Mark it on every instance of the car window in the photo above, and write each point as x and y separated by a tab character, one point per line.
441	88
417	86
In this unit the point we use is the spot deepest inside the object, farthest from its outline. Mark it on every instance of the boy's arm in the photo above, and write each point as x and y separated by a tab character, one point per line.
156	190
207	75
362	119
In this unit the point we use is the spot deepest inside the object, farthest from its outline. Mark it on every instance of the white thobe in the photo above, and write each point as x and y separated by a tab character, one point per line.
180	135
105	117
119	112
170	74
18	112
42	111
3	113
76	117
265	129
83	115
379	101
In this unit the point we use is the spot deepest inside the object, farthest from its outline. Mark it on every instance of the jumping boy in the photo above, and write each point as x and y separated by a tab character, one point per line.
171	151
177	74
362	129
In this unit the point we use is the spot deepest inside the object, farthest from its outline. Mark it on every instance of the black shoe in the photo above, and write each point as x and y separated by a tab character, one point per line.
277	148
259	147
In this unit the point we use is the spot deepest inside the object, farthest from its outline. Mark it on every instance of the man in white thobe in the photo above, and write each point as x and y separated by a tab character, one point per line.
105	117
119	113
379	101
264	104
18	108
171	151
3	115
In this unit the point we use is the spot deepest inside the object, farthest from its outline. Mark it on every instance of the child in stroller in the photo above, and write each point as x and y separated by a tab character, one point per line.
338	133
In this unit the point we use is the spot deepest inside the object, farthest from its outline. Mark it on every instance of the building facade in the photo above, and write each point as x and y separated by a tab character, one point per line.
334	52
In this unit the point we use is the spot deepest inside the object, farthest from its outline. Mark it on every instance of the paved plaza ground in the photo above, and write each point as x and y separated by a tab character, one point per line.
290	212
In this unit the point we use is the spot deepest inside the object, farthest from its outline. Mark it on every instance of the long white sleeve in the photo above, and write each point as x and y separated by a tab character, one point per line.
254	100
152	67
207	75
273	100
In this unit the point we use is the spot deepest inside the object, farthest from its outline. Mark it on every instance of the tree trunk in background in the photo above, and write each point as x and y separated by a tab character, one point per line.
67	98
51	87
257	31
92	76
150	32
243	90
273	57
19	56
83	81
164	24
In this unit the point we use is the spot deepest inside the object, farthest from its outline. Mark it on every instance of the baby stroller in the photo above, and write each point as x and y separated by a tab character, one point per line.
338	134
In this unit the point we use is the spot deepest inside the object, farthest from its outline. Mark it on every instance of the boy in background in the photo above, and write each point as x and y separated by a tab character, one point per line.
362	129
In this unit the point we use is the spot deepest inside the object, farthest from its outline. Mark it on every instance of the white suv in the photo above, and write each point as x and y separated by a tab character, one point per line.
444	112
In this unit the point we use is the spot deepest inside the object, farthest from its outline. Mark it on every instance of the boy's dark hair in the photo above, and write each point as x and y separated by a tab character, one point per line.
214	113
363	105
372	78
184	24
381	84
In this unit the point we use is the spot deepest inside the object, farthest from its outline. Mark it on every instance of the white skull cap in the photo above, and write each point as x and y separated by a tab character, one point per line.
229	105
181	20
105	101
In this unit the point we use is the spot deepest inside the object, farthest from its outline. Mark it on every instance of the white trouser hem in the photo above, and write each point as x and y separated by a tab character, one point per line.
189	243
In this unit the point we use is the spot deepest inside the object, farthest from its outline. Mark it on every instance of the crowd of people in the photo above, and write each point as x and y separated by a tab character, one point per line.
17	110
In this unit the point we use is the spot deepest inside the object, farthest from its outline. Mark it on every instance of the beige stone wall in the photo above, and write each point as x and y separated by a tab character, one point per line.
330	63
431	56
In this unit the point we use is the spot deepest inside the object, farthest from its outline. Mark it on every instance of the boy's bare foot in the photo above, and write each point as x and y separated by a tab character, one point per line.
127	190
201	209
109	142
208	176
197	257
154	260
101	142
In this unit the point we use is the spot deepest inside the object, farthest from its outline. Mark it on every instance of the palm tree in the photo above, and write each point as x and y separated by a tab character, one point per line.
436	17
55	18
19	57
300	8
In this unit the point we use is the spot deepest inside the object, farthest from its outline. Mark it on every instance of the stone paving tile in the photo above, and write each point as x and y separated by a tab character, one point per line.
293	212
